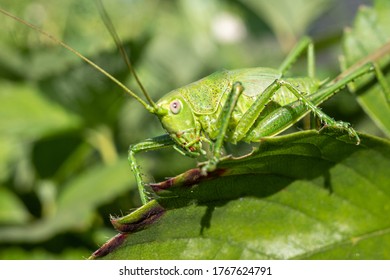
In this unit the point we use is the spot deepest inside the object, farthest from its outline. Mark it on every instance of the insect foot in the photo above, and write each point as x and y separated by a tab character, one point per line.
347	127
209	166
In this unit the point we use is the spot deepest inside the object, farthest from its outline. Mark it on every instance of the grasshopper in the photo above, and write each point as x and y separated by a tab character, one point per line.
233	106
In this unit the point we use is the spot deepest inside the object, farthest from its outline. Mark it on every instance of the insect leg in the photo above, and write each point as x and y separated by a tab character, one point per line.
383	82
250	116
223	122
321	115
283	117
281	120
147	145
377	71
305	44
344	80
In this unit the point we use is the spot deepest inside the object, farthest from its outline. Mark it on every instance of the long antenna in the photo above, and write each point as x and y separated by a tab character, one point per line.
110	27
152	109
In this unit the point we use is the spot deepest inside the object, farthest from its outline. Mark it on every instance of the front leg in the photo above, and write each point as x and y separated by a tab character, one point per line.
155	143
223	123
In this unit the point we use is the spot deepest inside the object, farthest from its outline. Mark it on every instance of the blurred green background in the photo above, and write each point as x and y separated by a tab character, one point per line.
65	128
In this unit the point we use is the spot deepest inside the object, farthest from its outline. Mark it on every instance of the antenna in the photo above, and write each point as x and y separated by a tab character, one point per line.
151	108
110	27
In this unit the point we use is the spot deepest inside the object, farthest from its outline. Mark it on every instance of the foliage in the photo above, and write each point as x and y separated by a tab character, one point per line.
306	195
65	129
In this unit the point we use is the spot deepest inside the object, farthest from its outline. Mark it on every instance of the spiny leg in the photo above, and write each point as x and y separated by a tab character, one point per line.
249	118
281	118
223	123
285	116
345	79
378	74
324	118
305	44
251	115
334	86
382	81
147	145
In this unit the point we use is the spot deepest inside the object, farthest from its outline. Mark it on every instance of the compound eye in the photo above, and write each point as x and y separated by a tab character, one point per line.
175	107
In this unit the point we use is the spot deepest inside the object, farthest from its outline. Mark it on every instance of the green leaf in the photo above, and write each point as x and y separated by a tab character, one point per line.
75	206
307	195
12	210
370	31
26	114
76	22
289	20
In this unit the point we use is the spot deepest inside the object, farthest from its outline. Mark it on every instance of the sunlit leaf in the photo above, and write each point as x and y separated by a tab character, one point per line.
305	196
